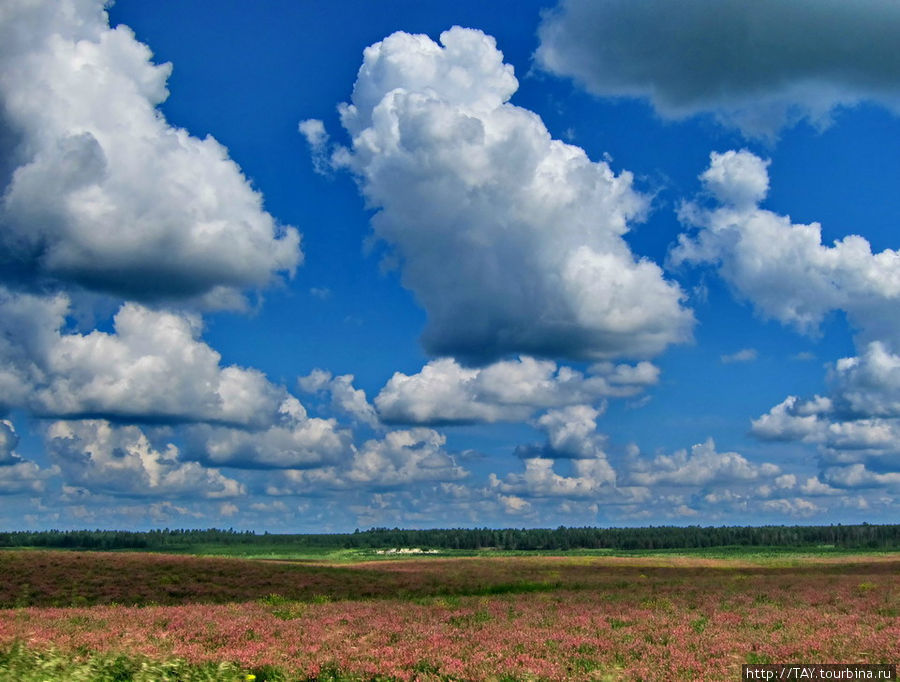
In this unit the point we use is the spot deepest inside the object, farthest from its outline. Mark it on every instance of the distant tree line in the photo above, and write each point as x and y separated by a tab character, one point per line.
863	536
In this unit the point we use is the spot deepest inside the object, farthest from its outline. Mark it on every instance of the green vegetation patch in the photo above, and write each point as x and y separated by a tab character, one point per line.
23	664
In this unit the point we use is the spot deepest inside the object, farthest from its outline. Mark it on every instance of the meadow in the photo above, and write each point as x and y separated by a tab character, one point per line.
487	616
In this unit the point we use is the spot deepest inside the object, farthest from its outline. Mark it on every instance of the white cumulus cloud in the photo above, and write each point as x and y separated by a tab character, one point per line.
859	476
24	477
701	466
152	367
787	273
444	391
571	435
18	475
783	268
511	241
294	440
793	419
591	478
858	422
120	460
98	190
868	385
572	431
345	397
398	459
8	442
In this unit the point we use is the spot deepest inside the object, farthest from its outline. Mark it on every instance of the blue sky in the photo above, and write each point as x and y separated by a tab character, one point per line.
318	266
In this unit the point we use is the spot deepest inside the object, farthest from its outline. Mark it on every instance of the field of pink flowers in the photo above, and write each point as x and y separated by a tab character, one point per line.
523	618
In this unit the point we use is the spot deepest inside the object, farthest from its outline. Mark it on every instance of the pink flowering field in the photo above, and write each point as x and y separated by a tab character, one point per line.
553	618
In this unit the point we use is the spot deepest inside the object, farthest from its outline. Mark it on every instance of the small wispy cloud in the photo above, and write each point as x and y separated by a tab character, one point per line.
316	136
743	355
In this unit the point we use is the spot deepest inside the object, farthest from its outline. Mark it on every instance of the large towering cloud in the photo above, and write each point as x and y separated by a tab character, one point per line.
511	240
755	65
98	189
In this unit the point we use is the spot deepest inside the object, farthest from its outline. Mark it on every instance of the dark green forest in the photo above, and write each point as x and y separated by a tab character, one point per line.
864	536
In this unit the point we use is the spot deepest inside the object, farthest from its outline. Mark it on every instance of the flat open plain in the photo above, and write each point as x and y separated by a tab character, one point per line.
661	617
